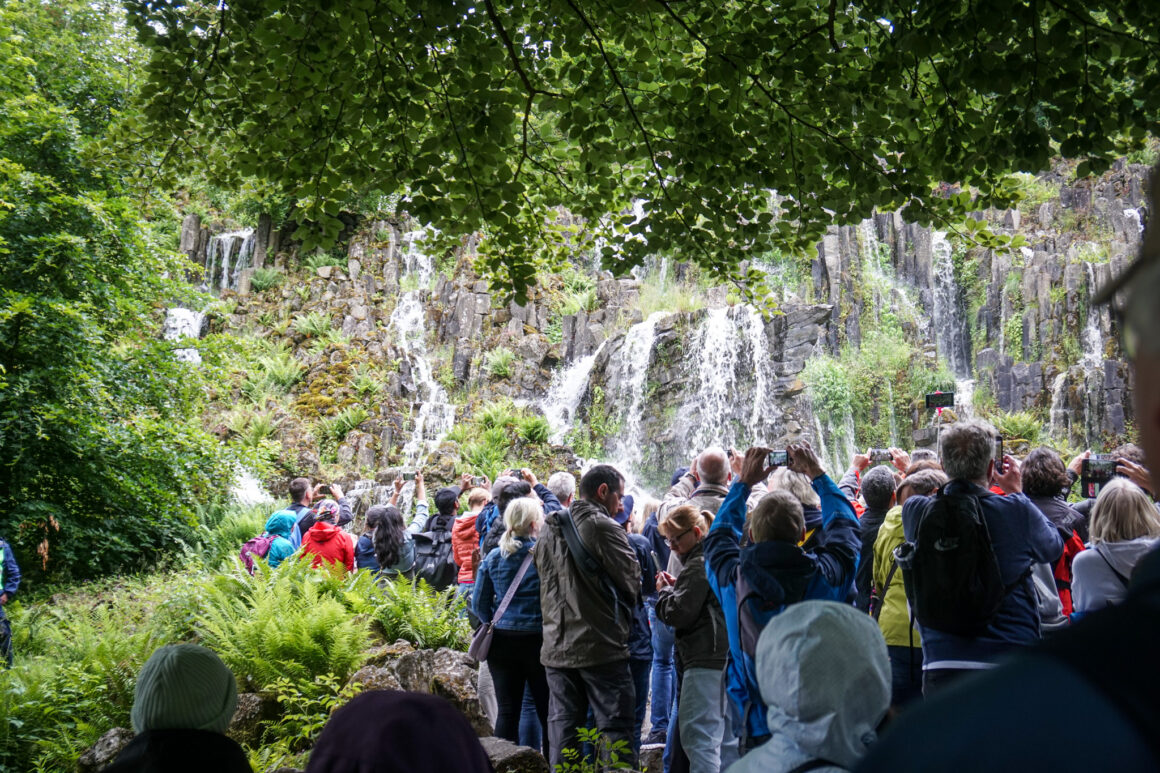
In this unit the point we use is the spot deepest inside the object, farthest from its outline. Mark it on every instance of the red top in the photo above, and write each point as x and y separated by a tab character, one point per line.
328	543
464	541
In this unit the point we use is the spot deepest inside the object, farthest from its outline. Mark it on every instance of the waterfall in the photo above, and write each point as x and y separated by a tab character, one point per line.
631	368
435	413
565	393
834	443
1059	418
965	398
1092	363
1133	218
183	323
950	323
248	491
227	256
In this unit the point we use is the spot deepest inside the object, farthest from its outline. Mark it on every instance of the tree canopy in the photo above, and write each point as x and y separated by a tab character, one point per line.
737	128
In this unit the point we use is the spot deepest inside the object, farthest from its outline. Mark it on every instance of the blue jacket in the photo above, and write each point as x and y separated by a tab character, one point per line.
364	554
781	573
279	525
9	570
495	576
1020	536
490	512
640	636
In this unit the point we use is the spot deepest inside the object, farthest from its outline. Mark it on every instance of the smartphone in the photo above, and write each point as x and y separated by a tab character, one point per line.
478	481
880	455
517	474
778	458
940	400
656	562
1095	475
1000	468
324	489
408	476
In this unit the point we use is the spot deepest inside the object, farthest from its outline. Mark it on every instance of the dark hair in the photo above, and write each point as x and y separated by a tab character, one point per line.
1044	474
923	455
388	536
878	487
298	488
600	475
446	498
510	492
1129	451
376	517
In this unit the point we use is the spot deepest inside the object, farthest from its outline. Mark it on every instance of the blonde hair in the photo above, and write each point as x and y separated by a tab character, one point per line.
520	517
796	483
1122	512
478	497
641	514
778	516
683	518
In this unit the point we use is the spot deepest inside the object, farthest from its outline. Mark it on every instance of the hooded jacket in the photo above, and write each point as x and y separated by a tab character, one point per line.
894	619
695	615
825	676
584	625
780	573
464	542
1096	573
688	490
329	543
279	526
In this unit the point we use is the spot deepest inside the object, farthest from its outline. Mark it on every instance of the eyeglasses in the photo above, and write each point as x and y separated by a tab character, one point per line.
672	541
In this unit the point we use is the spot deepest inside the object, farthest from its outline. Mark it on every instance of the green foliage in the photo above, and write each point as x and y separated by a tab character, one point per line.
265	278
1018	427
660	293
279	369
1033	191
605	755
338	426
425	617
320	259
588	437
500	413
313	324
367	382
576	302
535	428
498	362
829	385
306	709
221	536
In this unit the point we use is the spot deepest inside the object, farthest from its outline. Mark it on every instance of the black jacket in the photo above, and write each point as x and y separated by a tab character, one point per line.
181	751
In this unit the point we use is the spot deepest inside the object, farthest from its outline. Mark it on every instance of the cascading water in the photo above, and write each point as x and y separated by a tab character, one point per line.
183	323
949	318
965	398
630	378
434	414
248	491
1059	417
1133	217
227	255
1092	363
564	395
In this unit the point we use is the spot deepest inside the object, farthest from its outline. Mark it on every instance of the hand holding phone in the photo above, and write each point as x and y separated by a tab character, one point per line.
665	580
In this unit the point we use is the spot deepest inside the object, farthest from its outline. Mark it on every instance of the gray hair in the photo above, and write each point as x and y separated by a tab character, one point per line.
923	454
878	487
563	485
499	484
796	483
713	466
966	449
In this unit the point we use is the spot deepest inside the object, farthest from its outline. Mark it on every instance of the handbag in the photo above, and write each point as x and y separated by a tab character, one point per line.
481	640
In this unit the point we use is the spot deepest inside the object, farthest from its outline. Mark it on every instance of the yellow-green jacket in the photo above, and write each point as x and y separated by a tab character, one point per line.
895	617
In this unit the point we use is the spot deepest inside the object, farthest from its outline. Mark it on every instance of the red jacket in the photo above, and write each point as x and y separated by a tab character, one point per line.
464	541
329	543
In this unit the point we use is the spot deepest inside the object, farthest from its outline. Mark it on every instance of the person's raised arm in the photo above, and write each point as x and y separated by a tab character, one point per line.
840	541
345	514
550	500
398	486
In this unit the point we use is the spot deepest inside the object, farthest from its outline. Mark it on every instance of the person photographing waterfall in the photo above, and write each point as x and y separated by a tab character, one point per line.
756	582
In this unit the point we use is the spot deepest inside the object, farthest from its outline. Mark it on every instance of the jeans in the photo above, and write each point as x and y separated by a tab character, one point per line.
701	718
5	639
463	590
532	732
640	673
486	689
662	669
905	674
607	689
514	661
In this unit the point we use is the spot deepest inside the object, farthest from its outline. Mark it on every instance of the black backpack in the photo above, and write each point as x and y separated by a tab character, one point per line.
434	559
950	571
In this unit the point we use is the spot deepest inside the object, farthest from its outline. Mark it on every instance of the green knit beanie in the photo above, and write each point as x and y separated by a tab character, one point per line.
184	687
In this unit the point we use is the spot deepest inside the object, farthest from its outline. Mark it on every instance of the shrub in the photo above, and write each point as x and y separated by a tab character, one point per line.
332	337
312	324
1020	426
498	362
501	413
535	429
338	426
367	382
265	278
281	370
425	617
577	301
320	259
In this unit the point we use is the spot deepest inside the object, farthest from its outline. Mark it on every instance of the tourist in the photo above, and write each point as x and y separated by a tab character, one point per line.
394	541
640	652
824	674
1046	482
687	604
364	550
588	615
801	488
663	638
390	731
888	605
491	513
279	525
465	539
182	705
9	584
563	485
514	656
773	570
307	516
1124	528
1105	663
327	542
704	485
302	494
1019	536
878	495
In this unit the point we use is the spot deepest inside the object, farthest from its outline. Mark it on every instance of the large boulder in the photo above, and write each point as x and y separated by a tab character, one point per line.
101	754
507	757
250	717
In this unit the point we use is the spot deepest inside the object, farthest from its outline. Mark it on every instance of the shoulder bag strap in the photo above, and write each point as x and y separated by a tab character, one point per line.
586	560
885	589
511	591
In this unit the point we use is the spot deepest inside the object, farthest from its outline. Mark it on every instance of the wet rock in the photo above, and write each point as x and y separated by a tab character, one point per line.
101	754
507	757
248	722
376	678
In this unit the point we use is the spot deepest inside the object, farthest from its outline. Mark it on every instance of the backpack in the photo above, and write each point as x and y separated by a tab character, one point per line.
255	546
950	571
434	559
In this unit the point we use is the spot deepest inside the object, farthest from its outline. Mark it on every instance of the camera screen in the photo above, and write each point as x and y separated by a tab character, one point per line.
778	458
1096	472
879	454
940	400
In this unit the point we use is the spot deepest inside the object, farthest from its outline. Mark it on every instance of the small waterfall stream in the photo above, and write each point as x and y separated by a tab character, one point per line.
227	256
433	414
950	324
565	393
183	323
630	379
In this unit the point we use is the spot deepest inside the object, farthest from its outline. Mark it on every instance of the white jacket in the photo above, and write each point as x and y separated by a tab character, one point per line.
1096	572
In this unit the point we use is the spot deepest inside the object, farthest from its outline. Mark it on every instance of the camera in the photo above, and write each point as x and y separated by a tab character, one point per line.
408	476
1000	468
478	481
880	455
940	400
778	458
1096	473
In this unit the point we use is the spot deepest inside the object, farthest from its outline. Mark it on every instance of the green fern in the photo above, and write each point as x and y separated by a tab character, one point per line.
313	324
265	278
535	429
